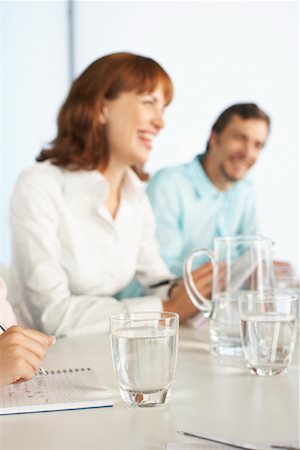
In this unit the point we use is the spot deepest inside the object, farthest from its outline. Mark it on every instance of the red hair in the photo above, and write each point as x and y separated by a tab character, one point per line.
80	143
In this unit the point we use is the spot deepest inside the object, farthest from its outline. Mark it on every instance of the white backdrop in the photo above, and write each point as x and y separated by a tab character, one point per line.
217	53
34	80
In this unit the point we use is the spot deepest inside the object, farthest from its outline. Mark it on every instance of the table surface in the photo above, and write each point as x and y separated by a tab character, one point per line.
209	396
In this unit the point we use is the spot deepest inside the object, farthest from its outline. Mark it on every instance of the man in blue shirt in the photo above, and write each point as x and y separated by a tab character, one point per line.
210	196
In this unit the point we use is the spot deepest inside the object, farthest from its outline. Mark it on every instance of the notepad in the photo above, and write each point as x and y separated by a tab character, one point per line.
58	390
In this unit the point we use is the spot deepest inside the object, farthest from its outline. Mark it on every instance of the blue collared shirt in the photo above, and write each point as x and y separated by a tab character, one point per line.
190	211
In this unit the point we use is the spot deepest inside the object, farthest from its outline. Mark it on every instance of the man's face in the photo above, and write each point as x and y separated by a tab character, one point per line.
238	146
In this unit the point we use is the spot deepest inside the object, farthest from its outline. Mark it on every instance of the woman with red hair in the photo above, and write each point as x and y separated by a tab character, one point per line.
82	226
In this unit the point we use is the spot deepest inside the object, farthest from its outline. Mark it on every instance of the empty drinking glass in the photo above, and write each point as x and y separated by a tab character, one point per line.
144	350
268	323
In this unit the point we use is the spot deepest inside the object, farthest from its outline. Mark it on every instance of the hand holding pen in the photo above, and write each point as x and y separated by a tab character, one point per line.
21	352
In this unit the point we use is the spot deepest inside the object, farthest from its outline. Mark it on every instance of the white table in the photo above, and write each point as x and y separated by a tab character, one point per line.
208	397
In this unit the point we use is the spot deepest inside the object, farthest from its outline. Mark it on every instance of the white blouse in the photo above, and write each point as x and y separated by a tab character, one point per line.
72	257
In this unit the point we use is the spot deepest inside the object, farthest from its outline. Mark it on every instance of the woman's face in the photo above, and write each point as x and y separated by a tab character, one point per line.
132	122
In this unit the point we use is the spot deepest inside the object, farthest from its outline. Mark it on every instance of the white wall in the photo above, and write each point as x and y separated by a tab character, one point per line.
34	81
217	53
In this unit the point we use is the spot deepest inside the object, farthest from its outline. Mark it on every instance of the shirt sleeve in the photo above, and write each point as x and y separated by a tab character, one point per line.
37	249
165	202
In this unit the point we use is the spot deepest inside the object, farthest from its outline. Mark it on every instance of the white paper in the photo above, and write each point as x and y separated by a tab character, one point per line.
58	390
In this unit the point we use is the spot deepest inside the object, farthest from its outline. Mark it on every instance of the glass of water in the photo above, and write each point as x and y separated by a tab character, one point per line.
268	324
144	351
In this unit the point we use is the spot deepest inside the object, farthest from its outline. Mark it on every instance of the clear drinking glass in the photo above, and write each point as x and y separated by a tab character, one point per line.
144	350
268	324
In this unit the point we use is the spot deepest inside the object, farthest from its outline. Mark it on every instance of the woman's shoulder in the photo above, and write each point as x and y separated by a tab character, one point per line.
42	180
165	176
44	177
41	172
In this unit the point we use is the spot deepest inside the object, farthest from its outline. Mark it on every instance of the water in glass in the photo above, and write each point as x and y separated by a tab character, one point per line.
144	360
268	342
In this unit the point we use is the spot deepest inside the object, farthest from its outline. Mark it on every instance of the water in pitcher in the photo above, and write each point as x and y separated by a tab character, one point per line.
225	325
144	358
268	341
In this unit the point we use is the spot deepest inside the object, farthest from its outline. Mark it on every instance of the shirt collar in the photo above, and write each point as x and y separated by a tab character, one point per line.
132	186
82	180
202	183
93	180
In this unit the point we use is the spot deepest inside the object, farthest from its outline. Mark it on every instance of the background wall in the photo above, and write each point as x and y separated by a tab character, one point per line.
217	53
34	81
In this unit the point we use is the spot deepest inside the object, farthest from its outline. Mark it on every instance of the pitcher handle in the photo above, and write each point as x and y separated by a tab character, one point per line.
196	297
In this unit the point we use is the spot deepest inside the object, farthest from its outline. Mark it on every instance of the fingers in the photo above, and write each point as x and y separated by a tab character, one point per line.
204	283
203	277
205	291
32	343
282	264
32	335
207	269
187	306
37	336
41	338
24	363
203	270
21	352
180	303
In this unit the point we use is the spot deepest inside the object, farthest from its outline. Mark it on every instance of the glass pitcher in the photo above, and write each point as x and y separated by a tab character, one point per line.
240	264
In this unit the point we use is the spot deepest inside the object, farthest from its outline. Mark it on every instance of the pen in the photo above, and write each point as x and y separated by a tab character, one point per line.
285	447
165	282
240	445
41	371
236	444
